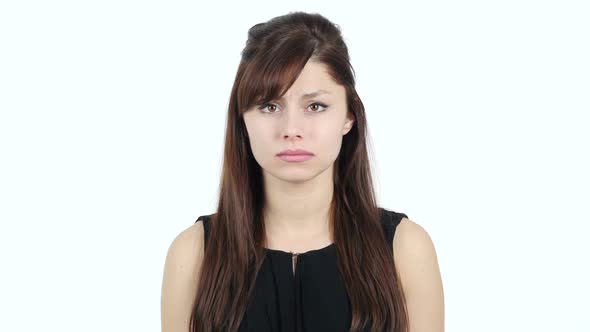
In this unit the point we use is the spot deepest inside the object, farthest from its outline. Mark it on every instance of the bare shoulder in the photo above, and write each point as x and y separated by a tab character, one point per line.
412	238
180	279
417	265
188	243
186	250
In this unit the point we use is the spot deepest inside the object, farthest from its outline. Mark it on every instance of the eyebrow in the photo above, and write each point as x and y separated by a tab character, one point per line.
312	94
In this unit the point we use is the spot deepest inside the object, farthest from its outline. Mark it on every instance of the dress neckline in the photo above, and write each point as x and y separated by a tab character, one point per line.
306	253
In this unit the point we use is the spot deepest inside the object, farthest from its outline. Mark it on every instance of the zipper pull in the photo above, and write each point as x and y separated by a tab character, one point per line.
294	260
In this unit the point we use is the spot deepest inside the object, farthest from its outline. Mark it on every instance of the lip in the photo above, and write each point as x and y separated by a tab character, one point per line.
297	155
296	152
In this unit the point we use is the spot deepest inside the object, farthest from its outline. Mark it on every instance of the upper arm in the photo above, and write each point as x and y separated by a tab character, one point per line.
417	264
181	274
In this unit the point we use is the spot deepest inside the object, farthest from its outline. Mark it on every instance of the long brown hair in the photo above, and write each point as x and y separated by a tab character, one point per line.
275	53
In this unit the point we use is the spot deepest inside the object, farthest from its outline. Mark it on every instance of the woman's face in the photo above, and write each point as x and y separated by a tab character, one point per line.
315	123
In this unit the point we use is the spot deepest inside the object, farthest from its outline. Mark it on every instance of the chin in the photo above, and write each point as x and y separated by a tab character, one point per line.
297	173
292	174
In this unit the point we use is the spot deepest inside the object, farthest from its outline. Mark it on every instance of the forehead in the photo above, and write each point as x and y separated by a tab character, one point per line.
313	77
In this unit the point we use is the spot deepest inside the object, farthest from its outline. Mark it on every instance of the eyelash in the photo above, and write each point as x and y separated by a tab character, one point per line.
263	106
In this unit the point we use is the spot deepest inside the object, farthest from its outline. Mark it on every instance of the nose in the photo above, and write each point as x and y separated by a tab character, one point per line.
293	123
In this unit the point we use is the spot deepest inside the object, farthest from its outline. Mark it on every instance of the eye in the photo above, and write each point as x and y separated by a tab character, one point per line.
264	106
320	105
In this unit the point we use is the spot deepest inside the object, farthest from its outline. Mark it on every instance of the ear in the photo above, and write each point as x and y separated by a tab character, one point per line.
348	124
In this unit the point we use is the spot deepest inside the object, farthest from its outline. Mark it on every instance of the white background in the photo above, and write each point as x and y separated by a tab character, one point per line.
111	132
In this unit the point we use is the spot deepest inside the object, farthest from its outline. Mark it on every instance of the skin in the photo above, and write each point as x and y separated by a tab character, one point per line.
297	201
417	264
298	195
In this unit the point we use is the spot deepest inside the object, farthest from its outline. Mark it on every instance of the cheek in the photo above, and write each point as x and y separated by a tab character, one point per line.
330	140
261	143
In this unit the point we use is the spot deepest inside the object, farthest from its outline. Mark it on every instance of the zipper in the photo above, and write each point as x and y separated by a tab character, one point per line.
294	260
298	327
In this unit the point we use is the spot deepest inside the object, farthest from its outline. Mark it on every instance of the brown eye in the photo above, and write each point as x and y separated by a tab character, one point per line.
320	105
264	106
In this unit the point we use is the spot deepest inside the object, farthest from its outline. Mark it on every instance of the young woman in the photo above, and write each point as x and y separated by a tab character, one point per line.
297	242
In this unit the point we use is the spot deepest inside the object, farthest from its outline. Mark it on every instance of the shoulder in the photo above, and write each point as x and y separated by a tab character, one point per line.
181	275
417	265
413	250
187	246
411	237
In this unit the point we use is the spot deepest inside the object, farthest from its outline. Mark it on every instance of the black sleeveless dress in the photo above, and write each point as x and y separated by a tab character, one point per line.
313	299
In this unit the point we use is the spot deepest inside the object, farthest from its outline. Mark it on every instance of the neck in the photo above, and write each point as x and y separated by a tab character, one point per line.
297	212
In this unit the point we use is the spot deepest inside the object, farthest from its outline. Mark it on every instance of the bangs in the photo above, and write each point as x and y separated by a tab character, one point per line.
270	74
